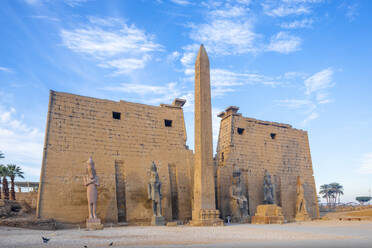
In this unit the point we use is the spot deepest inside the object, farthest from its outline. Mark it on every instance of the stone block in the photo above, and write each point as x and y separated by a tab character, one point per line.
157	221
268	214
94	224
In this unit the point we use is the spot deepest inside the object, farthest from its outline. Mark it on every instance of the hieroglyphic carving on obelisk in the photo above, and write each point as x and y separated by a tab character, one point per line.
204	207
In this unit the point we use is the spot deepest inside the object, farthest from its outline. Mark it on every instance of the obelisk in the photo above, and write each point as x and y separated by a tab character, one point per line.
204	208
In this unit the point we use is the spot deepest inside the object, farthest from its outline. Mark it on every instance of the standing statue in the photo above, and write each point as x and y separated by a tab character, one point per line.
238	201
154	190
301	211
91	182
268	189
154	194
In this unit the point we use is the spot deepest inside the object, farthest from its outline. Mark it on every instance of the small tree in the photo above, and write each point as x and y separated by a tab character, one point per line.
14	171
325	191
5	173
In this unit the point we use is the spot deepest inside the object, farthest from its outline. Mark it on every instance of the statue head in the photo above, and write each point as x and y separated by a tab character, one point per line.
154	172
267	177
91	171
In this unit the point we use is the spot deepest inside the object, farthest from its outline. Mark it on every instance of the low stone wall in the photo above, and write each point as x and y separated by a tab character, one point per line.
29	197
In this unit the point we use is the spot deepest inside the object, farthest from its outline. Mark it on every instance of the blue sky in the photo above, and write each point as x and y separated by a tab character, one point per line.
302	62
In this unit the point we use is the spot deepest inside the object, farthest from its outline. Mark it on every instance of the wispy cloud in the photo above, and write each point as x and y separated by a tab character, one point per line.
283	42
315	95
21	143
312	116
43	17
319	81
366	164
5	69
283	8
238	40
304	23
113	43
181	2
151	94
75	3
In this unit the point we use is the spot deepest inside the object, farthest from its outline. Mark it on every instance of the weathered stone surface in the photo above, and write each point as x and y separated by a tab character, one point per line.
301	211
79	127
238	201
157	221
268	214
255	146
154	193
91	181
204	207
94	224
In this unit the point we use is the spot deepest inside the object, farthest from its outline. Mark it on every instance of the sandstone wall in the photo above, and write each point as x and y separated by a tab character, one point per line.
29	197
122	149
259	145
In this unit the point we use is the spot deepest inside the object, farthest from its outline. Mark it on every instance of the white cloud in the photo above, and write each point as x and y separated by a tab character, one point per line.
48	18
315	94
312	116
75	3
283	8
283	42
151	94
235	11
295	103
5	69
33	2
223	36
124	66
366	164
181	2
21	144
173	56
113	43
319	81
304	23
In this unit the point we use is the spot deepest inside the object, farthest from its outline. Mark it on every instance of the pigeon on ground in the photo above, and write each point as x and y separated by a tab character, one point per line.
85	246
111	243
45	240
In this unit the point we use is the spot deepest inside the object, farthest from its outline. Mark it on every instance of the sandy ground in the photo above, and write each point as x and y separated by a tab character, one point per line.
309	234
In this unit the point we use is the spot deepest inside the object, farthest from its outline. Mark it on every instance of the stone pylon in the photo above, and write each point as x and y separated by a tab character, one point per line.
204	208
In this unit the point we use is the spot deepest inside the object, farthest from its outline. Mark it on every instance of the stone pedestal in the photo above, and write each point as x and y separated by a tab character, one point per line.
94	224
268	214
207	217
302	217
157	221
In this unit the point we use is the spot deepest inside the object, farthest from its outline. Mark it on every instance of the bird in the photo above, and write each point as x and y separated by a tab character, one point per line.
45	240
85	246
111	243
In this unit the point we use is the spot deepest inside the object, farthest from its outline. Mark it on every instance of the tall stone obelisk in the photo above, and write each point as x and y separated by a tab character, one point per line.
204	209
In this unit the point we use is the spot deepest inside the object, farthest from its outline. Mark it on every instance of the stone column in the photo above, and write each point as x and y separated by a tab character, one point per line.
204	209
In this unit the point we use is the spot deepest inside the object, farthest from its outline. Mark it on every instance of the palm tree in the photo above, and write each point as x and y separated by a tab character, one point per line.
338	190
1	174
2	155
325	191
5	173
14	171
